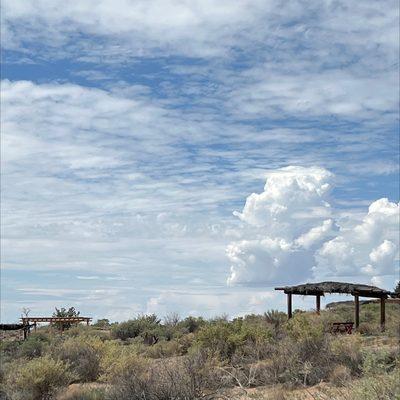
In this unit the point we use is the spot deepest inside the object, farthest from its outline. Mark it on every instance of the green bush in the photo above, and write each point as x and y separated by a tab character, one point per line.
82	355
37	379
115	357
304	326
164	349
102	323
217	338
191	324
34	346
9	349
140	326
223	338
177	378
380	387
347	350
377	362
275	318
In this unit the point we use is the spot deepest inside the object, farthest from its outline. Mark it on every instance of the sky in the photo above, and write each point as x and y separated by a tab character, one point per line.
189	156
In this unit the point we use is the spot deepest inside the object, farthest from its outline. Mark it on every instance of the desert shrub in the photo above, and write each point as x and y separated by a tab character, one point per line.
310	347
101	334
178	378
82	355
103	323
226	339
78	330
84	331
368	329
186	342
283	366
377	361
383	387
302	357
305	326
347	350
127	375
33	346
276	319
9	350
144	325
164	349
83	393
125	330
37	379
217	338
116	357
191	324
340	375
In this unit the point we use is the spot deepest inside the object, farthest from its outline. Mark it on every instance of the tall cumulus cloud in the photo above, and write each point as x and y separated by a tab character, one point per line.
291	233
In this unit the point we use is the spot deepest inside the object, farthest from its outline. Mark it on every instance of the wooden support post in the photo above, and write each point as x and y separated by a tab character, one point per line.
382	314
318	303
87	322
34	326
356	311
289	305
25	332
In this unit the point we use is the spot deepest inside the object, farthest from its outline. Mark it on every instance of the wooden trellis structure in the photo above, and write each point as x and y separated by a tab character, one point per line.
54	320
31	322
356	290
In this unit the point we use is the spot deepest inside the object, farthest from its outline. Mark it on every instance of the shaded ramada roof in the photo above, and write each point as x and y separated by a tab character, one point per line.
11	327
336	287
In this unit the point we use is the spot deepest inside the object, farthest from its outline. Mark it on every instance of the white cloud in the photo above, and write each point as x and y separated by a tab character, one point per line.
291	196
204	27
289	220
370	247
325	93
267	261
287	241
316	234
189	27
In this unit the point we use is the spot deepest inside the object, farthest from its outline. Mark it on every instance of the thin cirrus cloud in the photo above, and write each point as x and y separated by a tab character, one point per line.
201	28
132	129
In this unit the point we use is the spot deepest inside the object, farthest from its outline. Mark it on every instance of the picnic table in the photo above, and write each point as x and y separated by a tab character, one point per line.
342	327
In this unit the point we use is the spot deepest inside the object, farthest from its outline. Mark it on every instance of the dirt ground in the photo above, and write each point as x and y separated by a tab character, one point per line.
317	392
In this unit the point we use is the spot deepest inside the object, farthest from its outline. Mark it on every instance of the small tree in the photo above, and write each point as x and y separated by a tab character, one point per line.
63	312
172	319
25	312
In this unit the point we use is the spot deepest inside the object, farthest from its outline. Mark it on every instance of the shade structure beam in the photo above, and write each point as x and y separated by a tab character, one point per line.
356	311
383	316
289	305
318	303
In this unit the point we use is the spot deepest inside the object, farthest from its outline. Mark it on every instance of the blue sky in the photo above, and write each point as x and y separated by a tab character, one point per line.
133	130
